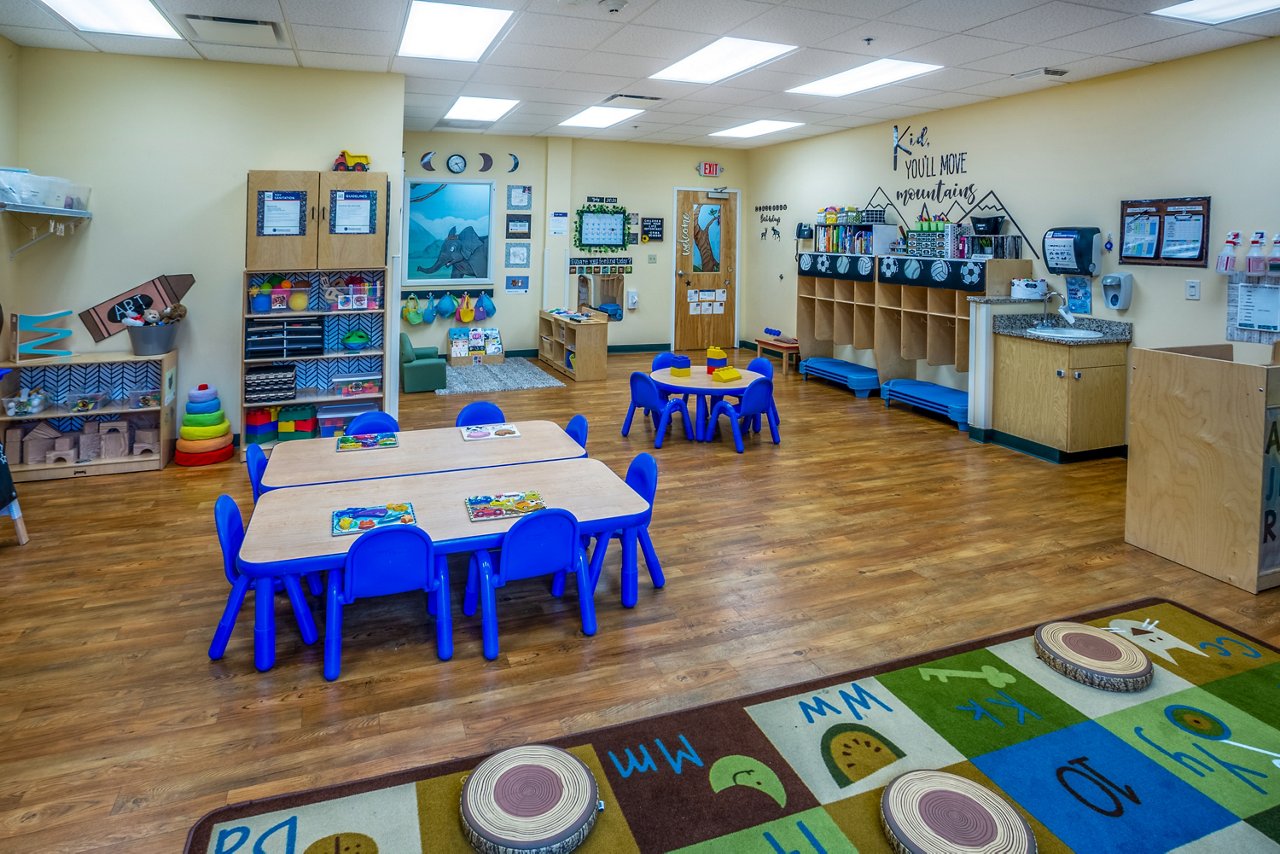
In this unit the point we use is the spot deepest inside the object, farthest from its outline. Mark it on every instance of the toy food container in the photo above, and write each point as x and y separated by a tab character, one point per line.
144	398
86	400
17	407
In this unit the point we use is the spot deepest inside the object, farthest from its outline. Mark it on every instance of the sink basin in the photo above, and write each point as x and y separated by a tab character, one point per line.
1065	333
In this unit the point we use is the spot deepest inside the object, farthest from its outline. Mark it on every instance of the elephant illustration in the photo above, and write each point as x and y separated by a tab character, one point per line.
466	255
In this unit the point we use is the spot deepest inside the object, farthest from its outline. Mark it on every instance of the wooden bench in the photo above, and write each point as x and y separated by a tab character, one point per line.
786	351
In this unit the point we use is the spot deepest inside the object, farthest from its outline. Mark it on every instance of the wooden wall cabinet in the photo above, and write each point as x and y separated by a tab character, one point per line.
323	226
115	375
1068	397
862	302
579	350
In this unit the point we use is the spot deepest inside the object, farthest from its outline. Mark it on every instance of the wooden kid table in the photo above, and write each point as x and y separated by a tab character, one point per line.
700	383
783	349
313	461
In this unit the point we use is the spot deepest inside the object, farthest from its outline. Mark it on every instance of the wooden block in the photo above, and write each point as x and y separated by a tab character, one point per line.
13	444
140	448
147	435
91	427
114	427
61	455
66	442
35	449
90	446
114	446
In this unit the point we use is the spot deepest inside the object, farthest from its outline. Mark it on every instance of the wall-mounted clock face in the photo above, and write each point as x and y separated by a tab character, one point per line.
456	163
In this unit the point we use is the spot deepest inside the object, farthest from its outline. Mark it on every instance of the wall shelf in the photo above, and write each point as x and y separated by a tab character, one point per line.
61	221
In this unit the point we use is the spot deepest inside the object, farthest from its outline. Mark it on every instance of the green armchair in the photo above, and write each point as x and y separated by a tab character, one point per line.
421	368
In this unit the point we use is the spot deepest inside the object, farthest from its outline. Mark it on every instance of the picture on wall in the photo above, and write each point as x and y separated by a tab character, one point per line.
517	255
518	225
447	232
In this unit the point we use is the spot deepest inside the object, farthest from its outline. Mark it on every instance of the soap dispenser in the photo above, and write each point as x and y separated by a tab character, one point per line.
1117	290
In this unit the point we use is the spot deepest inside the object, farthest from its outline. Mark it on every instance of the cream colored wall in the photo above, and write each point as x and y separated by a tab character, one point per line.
1067	156
8	157
642	177
166	145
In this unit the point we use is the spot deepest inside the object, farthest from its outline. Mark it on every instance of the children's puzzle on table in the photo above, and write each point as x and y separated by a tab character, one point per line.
366	441
357	520
1189	763
503	505
489	431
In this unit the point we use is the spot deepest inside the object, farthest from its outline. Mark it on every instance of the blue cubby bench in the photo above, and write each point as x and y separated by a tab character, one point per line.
952	403
858	379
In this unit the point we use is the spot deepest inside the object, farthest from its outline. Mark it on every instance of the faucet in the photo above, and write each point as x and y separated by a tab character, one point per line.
1062	309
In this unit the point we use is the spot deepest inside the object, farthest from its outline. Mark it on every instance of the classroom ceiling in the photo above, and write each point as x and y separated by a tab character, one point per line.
559	56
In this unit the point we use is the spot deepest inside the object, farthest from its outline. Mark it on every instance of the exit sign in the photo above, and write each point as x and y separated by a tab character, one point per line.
707	169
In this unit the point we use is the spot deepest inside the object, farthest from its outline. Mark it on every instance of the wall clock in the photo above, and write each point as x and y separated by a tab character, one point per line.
456	163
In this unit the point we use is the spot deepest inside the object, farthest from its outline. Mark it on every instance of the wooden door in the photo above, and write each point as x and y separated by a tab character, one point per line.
706	265
352	232
280	220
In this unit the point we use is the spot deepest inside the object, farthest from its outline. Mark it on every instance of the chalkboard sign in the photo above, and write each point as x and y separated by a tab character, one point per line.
651	228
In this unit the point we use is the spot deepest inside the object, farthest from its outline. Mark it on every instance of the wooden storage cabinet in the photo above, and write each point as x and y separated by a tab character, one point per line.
309	343
1068	397
316	220
122	378
577	349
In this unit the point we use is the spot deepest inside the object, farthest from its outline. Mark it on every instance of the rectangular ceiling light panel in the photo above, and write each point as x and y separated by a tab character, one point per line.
882	72
449	31
1217	11
468	109
118	17
722	58
233	31
599	117
759	128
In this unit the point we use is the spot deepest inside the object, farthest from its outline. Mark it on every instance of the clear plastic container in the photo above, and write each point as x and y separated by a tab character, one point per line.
148	398
86	400
19	407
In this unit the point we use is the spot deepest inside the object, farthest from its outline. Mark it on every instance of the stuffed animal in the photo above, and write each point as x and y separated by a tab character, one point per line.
132	319
150	316
174	313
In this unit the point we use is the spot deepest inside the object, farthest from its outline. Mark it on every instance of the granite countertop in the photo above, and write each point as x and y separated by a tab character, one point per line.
1016	325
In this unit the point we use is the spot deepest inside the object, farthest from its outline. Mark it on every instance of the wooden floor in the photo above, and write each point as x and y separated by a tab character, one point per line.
868	534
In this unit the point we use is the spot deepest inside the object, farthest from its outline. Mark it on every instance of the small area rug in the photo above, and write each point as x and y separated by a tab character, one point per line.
513	374
1188	761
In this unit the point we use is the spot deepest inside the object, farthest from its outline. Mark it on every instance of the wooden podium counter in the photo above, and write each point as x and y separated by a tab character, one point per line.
1204	463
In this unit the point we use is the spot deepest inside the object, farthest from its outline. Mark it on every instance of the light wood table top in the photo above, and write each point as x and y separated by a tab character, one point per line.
295	524
315	461
700	382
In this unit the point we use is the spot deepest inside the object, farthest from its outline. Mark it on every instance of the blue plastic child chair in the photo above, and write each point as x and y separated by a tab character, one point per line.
577	428
645	397
762	365
256	462
230	527
372	422
757	400
479	412
382	561
642	476
543	543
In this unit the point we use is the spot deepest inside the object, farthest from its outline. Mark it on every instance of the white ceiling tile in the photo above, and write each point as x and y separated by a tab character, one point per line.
655	42
850	121
27	13
721	95
367	14
747	111
947	100
893	111
812	64
39	37
138	46
1013	86
432	85
561	31
765	80
956	50
1026	58
896	94
343	61
887	38
1180	46
621	64
601	83
1049	21
512	76
1124	34
422	101
1097	66
411	66
953	79
794	26
245	10
258	55
1258	25
708	16
589	10
335	40
1132	7
534	56
863	8
956	17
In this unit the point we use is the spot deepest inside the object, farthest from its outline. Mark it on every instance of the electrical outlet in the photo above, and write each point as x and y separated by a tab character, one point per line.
653	259
1193	289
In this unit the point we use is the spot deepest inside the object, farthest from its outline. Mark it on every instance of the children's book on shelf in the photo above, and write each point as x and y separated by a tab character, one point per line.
357	520
488	431
503	505
364	441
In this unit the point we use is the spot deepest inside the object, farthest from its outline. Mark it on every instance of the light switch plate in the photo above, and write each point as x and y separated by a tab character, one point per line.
1193	289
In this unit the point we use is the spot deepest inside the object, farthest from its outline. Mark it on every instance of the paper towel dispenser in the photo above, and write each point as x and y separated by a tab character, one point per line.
1073	250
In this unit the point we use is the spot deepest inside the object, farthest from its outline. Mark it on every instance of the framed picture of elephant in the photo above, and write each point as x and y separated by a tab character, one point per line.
447	232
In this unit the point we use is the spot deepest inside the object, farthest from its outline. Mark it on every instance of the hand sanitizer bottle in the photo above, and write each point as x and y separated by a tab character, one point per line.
1227	257
1273	262
1255	263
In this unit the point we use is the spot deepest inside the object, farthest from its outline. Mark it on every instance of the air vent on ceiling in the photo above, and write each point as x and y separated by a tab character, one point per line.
1040	72
631	98
237	31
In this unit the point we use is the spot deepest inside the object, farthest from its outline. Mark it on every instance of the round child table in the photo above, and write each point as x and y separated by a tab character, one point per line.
707	390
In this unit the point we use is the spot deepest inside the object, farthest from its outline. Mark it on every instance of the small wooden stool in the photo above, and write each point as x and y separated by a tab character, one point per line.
786	351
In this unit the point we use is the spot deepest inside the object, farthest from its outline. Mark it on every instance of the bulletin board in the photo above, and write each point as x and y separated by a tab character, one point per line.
1165	232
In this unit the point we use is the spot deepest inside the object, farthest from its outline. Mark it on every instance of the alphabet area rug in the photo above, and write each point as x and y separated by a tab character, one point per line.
1191	760
513	374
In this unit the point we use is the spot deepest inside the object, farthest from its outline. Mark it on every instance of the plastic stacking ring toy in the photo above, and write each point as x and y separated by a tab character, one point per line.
202	393
1093	657
203	420
933	812
210	432
184	459
198	407
535	799
204	446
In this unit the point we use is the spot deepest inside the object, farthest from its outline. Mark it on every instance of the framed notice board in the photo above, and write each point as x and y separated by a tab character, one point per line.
1165	232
